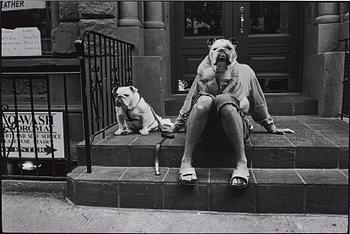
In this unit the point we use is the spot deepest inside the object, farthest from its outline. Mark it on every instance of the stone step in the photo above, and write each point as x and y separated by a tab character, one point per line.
278	104
319	191
318	143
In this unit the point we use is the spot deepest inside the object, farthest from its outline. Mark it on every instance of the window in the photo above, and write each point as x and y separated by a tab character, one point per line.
37	14
203	18
268	17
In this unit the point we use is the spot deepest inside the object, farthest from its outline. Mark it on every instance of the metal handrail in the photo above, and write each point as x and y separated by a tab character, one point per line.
105	62
25	102
85	33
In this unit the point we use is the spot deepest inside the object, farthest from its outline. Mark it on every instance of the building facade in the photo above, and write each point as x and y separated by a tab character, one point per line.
294	47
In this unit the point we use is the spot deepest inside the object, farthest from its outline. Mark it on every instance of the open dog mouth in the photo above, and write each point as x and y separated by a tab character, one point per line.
222	61
119	102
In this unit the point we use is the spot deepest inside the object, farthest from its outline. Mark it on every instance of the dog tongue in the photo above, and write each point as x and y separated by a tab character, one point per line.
221	66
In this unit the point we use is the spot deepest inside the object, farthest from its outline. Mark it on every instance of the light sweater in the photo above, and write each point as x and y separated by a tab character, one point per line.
247	91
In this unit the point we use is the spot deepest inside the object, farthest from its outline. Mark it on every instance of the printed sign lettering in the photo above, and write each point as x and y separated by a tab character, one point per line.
43	142
22	5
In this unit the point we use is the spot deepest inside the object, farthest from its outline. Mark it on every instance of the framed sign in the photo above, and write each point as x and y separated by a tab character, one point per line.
26	134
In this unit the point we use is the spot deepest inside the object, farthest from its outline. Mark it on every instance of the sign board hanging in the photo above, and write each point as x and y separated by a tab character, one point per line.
22	5
21	42
43	137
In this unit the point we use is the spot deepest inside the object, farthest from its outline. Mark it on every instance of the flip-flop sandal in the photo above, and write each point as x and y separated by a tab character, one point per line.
242	177
127	132
189	171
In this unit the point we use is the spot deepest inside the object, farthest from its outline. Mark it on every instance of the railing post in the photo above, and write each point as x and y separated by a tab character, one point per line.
2	138
79	44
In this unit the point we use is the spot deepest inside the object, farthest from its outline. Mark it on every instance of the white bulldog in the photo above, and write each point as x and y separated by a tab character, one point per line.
134	114
220	76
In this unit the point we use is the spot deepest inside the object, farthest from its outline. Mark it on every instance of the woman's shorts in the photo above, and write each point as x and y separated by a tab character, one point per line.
214	131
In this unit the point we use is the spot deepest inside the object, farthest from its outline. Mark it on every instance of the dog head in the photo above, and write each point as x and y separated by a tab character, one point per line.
125	97
222	53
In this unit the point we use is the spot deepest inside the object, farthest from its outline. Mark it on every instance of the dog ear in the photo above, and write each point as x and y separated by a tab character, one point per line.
211	41
133	89
114	90
233	41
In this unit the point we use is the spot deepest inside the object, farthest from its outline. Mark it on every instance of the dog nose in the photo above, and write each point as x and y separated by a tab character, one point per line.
222	55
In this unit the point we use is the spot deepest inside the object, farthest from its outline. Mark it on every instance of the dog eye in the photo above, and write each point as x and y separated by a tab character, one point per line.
215	48
127	95
229	48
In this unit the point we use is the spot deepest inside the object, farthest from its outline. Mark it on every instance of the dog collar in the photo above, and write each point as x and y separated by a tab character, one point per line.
127	111
136	104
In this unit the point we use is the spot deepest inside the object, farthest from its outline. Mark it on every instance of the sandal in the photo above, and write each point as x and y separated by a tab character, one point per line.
243	178
187	172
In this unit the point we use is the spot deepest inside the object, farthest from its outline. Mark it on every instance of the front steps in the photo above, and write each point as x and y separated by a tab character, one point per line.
317	143
269	191
301	173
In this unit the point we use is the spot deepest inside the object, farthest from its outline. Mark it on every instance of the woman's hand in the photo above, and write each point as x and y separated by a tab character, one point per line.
272	129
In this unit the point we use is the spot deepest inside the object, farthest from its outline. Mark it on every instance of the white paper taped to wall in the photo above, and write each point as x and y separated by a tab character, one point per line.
21	42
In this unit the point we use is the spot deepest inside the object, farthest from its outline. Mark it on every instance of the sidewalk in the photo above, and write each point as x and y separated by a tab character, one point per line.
52	213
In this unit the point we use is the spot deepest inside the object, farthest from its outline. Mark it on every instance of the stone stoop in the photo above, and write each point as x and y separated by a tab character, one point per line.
322	191
305	172
318	143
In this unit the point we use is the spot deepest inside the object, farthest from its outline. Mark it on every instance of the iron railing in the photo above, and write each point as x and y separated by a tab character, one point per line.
35	137
105	62
345	109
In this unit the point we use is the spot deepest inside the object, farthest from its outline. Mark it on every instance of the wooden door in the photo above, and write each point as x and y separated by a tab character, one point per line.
268	39
192	24
269	35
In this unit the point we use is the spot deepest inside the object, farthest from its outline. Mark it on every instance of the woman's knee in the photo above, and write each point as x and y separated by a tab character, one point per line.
204	103
228	110
222	98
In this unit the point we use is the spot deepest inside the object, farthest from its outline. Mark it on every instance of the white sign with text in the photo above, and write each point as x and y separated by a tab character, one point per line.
43	137
21	42
22	5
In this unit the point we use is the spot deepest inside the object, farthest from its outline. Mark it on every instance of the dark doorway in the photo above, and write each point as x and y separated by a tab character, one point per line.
268	35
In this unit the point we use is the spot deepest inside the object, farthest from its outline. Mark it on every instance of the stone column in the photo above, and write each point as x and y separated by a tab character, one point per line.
328	12
154	15
323	69
154	29
128	14
129	26
152	77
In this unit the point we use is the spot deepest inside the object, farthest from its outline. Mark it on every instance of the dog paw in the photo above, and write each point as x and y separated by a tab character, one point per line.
144	132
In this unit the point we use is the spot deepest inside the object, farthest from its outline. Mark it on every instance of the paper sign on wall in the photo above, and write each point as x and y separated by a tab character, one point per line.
21	42
43	138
